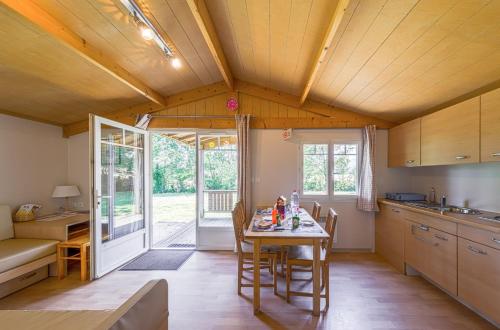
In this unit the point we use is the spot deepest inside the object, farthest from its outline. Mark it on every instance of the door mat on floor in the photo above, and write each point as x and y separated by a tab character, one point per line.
159	260
182	245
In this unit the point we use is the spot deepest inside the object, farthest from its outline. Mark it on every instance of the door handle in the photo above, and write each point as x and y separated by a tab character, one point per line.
478	251
411	161
495	154
424	228
461	157
441	237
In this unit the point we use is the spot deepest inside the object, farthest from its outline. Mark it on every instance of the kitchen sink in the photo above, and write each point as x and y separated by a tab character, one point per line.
449	208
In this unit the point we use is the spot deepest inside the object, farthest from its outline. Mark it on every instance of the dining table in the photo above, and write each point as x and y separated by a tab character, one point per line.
310	234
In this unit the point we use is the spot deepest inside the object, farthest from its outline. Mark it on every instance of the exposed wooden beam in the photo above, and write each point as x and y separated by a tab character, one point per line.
269	123
206	26
128	115
37	16
325	44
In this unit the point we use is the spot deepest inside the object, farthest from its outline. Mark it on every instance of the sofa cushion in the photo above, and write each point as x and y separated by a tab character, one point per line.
6	227
19	251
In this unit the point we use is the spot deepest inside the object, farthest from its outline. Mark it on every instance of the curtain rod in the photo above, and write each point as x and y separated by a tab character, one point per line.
195	116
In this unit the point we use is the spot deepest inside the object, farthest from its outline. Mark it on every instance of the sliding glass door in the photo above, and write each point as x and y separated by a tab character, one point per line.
120	202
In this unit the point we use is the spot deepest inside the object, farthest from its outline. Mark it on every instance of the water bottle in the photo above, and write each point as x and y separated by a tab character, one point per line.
294	201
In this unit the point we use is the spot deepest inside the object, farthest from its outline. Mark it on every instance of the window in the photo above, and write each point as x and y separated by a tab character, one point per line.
339	159
345	169
315	169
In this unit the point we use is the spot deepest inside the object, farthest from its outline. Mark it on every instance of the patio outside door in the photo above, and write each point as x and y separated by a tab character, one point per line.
120	202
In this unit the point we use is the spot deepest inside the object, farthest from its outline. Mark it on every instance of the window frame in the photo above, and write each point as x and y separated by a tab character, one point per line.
330	195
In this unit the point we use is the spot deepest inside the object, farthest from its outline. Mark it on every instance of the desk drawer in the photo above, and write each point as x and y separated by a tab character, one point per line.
23	281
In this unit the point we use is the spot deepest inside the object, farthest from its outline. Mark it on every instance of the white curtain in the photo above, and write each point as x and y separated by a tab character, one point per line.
367	198
244	175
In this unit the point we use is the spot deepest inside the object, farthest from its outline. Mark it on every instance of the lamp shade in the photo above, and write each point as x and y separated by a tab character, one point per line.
65	191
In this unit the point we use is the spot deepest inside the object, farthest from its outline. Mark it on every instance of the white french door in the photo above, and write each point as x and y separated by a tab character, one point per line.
120	189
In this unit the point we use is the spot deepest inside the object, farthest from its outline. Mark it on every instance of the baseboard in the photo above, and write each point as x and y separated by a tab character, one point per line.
340	250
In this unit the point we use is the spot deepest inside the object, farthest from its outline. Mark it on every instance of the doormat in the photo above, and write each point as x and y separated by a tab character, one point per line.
182	245
159	260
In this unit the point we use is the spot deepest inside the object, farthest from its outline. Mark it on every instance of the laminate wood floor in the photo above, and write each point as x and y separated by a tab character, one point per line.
366	293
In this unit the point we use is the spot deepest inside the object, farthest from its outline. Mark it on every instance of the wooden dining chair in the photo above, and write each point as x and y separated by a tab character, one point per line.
302	256
268	259
316	211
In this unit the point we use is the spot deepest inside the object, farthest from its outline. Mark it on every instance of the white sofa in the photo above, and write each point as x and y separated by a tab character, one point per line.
23	261
147	309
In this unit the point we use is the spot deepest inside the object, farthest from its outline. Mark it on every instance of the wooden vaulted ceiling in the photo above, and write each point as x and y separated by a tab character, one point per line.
392	59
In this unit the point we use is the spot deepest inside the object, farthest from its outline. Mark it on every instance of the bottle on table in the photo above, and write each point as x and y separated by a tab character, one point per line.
295	201
274	215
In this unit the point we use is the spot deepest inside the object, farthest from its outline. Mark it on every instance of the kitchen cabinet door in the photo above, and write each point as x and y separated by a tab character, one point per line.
479	277
442	260
404	144
451	135
389	236
490	126
417	245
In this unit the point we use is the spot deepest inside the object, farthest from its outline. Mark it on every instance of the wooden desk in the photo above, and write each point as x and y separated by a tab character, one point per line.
287	237
60	230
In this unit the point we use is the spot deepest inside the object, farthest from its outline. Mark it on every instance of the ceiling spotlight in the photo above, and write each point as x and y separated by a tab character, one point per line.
175	62
146	32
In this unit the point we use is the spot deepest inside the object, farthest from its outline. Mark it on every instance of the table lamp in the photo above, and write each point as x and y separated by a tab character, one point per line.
65	192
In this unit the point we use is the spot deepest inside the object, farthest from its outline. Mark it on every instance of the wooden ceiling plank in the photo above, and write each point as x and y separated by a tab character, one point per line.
128	114
325	44
206	26
65	36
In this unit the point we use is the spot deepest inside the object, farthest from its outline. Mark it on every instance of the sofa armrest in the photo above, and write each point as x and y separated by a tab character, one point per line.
147	309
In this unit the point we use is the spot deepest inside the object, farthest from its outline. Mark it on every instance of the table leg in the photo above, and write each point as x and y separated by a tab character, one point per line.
256	276
316	277
60	262
83	262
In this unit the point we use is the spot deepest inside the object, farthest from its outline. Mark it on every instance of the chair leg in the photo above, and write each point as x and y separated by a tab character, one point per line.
270	265
275	274
327	285
240	273
282	260
288	278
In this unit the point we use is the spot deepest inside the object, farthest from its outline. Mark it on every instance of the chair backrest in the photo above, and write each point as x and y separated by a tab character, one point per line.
331	224
6	226
316	211
238	225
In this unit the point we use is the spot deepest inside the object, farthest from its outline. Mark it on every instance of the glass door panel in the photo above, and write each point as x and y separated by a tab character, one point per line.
119	181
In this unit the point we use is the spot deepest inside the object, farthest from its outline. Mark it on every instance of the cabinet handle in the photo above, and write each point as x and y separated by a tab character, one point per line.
424	228
411	161
495	154
496	240
441	237
478	251
394	210
461	157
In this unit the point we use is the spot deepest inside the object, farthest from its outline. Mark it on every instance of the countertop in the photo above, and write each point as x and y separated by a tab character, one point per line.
464	219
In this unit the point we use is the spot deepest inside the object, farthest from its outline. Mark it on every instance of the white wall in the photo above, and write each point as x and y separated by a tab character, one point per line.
33	161
78	168
275	171
476	186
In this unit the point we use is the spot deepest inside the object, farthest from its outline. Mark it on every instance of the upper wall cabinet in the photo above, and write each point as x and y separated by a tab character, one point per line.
490	126
451	136
404	144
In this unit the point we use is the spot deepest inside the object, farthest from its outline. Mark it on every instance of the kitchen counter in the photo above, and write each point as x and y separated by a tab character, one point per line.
464	219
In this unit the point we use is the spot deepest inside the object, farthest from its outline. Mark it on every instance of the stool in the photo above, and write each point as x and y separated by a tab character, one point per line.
81	243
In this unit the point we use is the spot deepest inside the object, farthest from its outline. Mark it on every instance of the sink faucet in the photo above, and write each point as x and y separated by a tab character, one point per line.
432	195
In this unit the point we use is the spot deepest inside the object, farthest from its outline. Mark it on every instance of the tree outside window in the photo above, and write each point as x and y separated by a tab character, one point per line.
345	163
